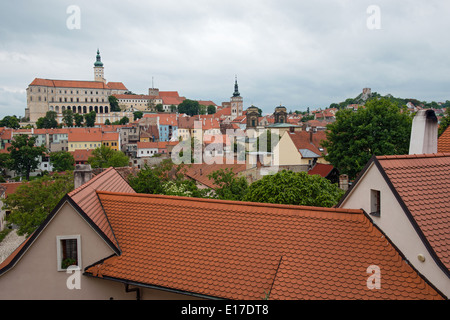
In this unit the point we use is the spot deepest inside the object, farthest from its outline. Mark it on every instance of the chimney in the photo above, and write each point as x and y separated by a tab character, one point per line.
343	182
82	174
424	133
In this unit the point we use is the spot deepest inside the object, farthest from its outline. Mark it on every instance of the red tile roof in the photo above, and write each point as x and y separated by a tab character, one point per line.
116	86
308	140
423	183
77	84
239	250
321	169
9	187
86	198
85	134
200	172
444	141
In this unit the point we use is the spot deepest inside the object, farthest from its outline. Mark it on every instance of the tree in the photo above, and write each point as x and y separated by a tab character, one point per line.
62	161
296	188
445	122
189	107
173	108
165	178
229	186
89	119
33	201
137	115
10	122
78	119
68	117
107	122
113	104
381	128
159	107
105	157
211	109
47	122
24	155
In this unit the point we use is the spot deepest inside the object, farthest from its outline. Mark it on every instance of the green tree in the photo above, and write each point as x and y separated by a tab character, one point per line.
211	109
189	107
47	122
381	128
296	188
31	203
173	108
68	117
445	122
159	107
89	119
229	185
113	104
165	178
62	161
107	122
105	157
10	122
78	119
24	155
137	115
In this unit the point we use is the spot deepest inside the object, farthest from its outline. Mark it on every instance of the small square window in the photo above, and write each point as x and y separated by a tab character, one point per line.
69	252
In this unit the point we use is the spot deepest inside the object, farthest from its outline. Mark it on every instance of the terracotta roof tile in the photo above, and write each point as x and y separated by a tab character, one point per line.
86	198
308	140
238	250
444	141
321	169
423	183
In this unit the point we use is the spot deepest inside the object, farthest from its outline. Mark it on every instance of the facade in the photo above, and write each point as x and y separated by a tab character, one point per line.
300	148
79	96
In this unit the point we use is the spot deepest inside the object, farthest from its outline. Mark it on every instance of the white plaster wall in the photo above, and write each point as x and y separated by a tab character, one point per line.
396	225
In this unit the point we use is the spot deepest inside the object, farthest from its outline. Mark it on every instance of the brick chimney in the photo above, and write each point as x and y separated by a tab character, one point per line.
82	174
424	133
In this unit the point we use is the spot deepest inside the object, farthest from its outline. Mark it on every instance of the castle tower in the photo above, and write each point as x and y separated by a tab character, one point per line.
237	102
99	74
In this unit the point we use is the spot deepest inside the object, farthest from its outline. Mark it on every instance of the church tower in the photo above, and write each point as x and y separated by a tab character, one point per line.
237	102
99	74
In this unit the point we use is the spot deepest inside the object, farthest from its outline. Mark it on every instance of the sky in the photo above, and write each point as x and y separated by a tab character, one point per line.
293	53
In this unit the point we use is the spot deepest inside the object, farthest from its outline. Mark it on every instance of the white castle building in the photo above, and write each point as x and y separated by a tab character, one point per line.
80	96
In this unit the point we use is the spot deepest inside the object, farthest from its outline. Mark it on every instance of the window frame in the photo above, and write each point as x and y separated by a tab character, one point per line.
59	252
375	202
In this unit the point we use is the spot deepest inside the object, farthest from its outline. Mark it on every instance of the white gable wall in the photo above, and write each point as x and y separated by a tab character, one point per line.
394	222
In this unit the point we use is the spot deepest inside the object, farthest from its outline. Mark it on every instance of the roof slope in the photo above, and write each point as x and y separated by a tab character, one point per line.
444	141
423	183
86	198
238	250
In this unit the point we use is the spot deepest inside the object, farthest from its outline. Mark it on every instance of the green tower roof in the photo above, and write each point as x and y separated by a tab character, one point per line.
98	62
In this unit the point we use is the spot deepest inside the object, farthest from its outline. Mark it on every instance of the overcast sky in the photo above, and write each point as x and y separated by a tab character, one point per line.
295	53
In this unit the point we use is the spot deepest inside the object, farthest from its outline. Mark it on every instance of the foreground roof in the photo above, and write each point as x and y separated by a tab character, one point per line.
444	141
423	184
239	250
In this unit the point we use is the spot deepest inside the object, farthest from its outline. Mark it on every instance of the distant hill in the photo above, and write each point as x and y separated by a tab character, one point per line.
367	95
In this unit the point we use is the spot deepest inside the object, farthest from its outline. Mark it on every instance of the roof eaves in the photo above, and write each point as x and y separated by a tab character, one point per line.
149	286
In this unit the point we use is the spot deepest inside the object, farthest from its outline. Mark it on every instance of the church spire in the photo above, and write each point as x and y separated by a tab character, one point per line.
98	62
236	89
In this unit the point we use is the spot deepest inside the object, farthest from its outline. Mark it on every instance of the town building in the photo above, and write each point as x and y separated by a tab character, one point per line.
79	96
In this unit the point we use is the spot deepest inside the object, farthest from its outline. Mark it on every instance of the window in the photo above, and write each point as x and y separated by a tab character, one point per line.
69	251
375	203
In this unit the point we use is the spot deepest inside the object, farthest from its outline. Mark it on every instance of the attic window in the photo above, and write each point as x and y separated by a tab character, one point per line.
375	203
68	251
